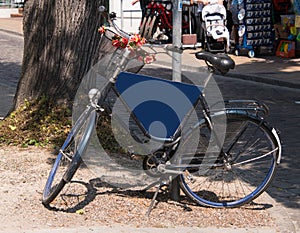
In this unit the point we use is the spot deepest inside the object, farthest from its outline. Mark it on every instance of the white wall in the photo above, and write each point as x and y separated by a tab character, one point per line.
131	20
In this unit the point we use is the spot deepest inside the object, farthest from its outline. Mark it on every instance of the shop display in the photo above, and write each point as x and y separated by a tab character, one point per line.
255	25
286	49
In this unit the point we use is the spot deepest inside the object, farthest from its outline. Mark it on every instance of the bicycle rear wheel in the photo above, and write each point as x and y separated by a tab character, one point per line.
252	151
69	159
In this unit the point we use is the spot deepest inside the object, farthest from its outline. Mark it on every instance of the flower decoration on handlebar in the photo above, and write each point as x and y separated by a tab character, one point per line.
119	42
134	44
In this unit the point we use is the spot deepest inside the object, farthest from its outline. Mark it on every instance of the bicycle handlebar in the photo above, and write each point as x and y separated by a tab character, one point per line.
112	16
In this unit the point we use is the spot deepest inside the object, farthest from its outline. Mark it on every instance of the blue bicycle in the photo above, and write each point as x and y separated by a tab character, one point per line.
220	155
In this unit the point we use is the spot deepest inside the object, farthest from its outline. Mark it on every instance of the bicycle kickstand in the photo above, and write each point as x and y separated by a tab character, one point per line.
158	186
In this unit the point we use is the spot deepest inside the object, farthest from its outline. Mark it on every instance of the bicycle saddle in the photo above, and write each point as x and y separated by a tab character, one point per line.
220	62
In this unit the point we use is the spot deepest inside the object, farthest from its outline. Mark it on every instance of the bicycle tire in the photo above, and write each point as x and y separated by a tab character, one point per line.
152	28
146	26
142	26
251	168
70	153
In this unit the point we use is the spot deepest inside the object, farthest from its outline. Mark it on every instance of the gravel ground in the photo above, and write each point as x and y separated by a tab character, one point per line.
91	202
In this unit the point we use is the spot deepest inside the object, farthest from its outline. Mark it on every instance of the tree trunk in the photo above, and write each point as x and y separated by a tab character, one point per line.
61	43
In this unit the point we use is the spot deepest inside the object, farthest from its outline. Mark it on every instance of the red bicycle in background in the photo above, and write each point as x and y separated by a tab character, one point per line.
158	15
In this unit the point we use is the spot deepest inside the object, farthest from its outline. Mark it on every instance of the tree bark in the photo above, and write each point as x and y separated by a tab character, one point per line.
61	43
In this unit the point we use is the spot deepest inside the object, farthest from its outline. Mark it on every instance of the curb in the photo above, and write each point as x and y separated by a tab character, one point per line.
230	74
266	80
283	222
11	32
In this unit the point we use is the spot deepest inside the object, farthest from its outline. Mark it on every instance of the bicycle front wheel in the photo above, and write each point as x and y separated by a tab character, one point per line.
241	171
69	157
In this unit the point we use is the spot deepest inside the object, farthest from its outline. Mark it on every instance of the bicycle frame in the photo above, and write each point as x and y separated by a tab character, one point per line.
175	137
172	142
168	140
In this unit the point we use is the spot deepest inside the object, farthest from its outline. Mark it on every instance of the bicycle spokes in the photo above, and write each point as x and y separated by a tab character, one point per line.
241	172
248	144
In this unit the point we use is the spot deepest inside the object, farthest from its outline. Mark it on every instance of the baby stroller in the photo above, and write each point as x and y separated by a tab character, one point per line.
216	34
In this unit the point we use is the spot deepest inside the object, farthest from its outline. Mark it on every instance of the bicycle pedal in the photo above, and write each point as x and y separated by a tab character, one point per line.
135	157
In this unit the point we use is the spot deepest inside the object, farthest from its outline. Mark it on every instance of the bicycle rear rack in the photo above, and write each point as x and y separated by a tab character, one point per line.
252	107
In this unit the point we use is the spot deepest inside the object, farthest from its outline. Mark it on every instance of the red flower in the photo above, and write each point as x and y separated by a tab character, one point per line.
101	30
149	59
133	44
123	42
136	40
116	43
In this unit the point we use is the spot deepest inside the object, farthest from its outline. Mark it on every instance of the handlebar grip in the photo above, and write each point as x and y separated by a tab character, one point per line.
112	15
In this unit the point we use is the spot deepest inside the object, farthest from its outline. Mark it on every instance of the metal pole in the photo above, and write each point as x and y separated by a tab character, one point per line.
122	16
190	19
175	190
176	65
177	33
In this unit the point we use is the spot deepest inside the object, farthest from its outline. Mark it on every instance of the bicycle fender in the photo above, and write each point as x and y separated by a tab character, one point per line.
276	136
